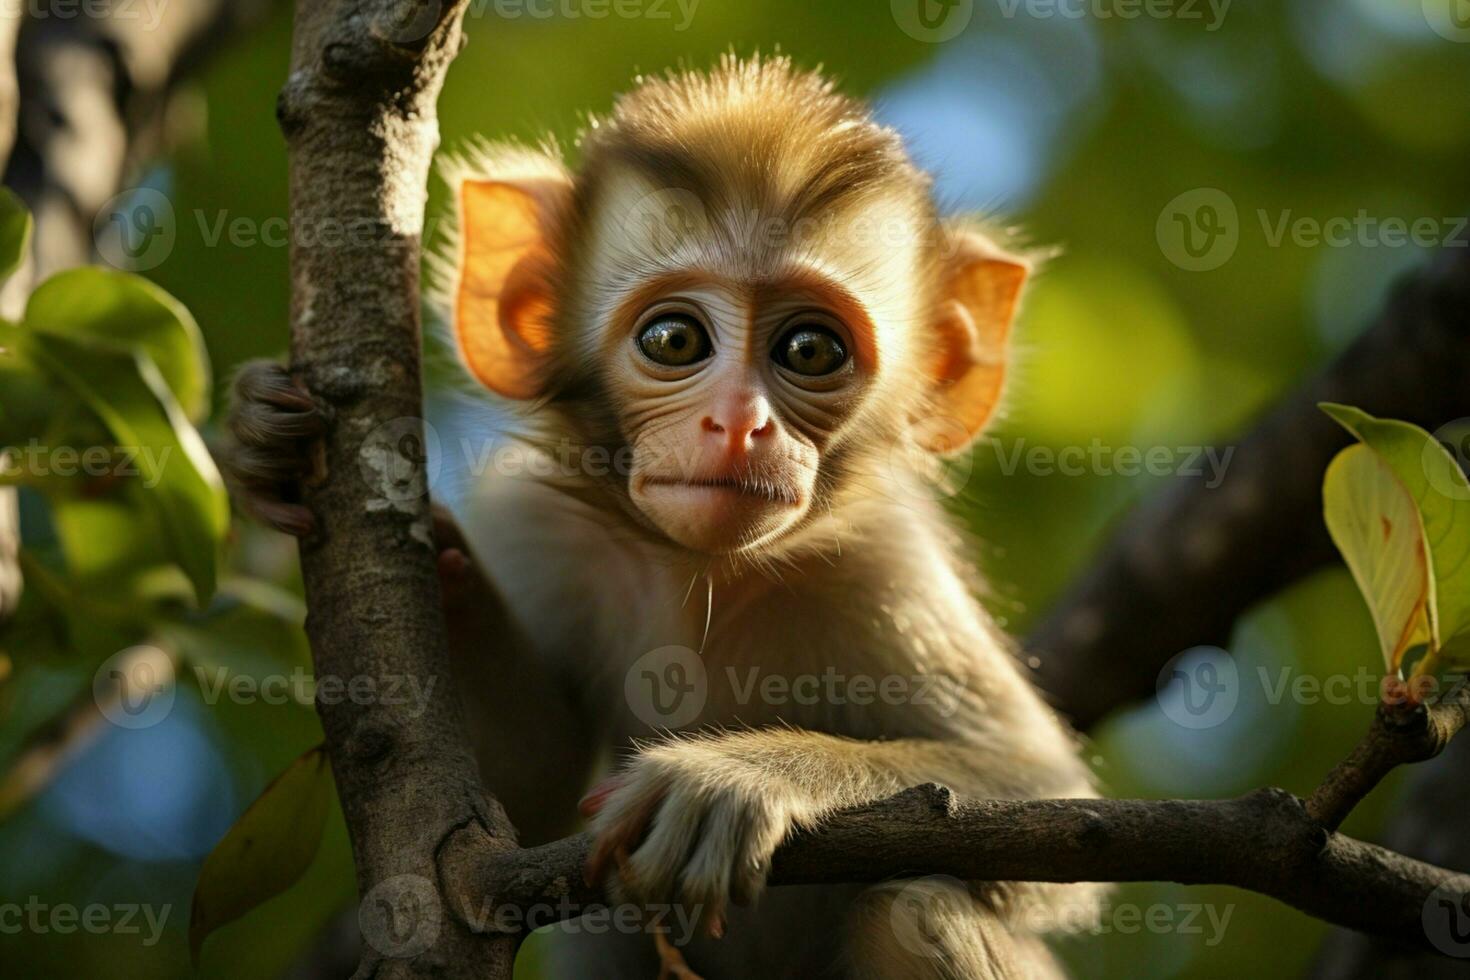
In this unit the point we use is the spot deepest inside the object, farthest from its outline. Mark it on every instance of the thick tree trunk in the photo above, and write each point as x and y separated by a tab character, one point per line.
358	113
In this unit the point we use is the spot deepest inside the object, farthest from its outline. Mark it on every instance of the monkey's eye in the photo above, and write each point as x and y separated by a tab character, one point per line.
810	349
674	340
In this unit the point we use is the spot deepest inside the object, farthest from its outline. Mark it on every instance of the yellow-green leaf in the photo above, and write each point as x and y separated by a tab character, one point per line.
268	849
1375	525
1441	495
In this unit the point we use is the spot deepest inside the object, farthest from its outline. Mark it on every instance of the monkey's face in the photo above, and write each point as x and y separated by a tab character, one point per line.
757	338
728	397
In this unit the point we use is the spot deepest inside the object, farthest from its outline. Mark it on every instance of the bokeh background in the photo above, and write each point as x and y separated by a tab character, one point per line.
1084	130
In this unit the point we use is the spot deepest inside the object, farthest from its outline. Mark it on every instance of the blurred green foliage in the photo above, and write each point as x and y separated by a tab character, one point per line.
1308	109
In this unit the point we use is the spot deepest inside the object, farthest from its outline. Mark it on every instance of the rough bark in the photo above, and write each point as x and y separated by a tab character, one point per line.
1429	826
1264	842
358	114
1402	732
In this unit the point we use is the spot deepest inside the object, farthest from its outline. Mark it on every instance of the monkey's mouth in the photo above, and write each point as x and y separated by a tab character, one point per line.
766	490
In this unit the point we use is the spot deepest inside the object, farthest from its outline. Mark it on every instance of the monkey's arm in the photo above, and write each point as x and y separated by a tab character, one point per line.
701	816
527	729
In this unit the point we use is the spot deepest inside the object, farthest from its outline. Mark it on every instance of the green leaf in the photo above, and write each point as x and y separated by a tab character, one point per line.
266	851
251	627
123	309
1373	522
170	466
26	401
1441	495
15	233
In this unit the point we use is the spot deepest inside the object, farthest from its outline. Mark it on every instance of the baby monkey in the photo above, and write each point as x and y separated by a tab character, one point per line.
745	317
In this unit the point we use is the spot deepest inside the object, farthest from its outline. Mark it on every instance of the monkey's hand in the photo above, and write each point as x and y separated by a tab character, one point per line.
274	425
699	818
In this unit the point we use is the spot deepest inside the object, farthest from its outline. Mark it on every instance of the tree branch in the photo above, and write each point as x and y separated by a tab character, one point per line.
1430	826
1265	842
358	114
1185	565
1403	731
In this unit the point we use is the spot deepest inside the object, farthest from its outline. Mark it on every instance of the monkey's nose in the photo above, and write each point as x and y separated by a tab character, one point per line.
738	427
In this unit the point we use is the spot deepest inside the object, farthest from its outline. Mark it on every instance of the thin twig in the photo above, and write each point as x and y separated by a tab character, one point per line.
1403	731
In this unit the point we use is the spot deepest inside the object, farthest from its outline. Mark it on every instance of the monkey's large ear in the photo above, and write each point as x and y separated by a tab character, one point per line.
503	297
980	292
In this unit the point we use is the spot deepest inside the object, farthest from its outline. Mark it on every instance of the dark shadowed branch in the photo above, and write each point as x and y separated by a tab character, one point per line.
1186	565
1403	731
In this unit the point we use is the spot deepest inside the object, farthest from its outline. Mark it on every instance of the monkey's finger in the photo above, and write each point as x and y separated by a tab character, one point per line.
653	872
264	425
748	880
591	804
621	834
268	381
263	473
296	520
